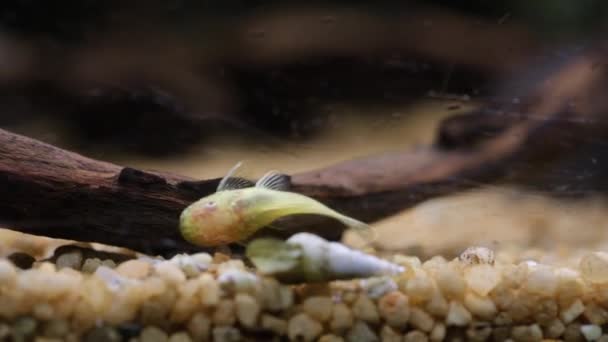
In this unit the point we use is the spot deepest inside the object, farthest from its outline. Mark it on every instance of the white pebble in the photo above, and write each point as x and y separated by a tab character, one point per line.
482	278
591	332
477	255
572	312
542	280
594	267
458	315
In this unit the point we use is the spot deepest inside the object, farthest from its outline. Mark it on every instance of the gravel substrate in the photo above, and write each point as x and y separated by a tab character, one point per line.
202	297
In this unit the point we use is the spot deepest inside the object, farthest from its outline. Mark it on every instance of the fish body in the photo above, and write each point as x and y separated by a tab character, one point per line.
233	215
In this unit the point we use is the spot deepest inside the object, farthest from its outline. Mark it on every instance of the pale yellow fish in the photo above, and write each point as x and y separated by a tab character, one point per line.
240	208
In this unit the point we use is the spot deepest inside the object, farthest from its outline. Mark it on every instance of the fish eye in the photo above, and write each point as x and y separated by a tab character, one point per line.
210	204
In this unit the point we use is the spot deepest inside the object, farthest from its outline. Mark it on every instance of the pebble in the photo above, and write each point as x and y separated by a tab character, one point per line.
378	286
330	338
247	310
199	326
170	272
450	282
594	267
364	309
274	324
573	333
302	327
438	305
394	309
482	278
209	290
595	314
419	288
224	313
542	280
318	307
438	333
342	318
135	269
102	334
181	336
24	328
56	328
361	332
479	331
153	334
421	320
482	307
572	312
458	315
591	332
71	259
527	333
226	334
388	334
90	265
154	312
415	336
477	255
555	329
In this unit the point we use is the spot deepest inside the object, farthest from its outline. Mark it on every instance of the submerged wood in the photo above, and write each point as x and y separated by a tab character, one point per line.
49	191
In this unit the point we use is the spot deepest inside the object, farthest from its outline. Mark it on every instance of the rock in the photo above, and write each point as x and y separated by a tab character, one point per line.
302	327
555	329
388	334
438	305
342	319
591	332
135	269
102	334
90	265
542	280
153	334
226	334
572	312
364	309
273	324
24	329
419	288
477	255
71	259
318	307
199	326
482	307
330	338
153	312
421	320
43	311
479	331
181	336
594	267
415	336
573	333
458	315
595	314
394	308
438	333
209	290
247	310
450	282
169	272
378	286
56	328
527	333
482	278
224	313
361	332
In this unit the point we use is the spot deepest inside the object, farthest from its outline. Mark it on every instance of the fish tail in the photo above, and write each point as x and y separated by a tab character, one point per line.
364	230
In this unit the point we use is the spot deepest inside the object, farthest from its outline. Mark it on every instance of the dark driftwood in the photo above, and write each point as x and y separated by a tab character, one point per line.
53	192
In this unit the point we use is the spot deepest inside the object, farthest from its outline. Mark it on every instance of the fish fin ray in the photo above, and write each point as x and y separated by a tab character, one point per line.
231	182
274	180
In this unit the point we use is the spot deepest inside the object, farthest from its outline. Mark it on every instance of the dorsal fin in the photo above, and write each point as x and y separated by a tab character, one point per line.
229	182
274	180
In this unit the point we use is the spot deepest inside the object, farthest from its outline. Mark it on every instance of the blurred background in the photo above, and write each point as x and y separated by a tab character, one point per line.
192	87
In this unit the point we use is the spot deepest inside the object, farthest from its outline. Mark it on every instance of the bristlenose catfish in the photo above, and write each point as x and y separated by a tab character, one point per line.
240	207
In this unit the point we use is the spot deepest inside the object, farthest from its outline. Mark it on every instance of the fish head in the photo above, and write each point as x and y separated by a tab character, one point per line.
212	220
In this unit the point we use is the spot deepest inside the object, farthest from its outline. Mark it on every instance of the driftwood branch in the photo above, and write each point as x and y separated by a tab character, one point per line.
52	192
